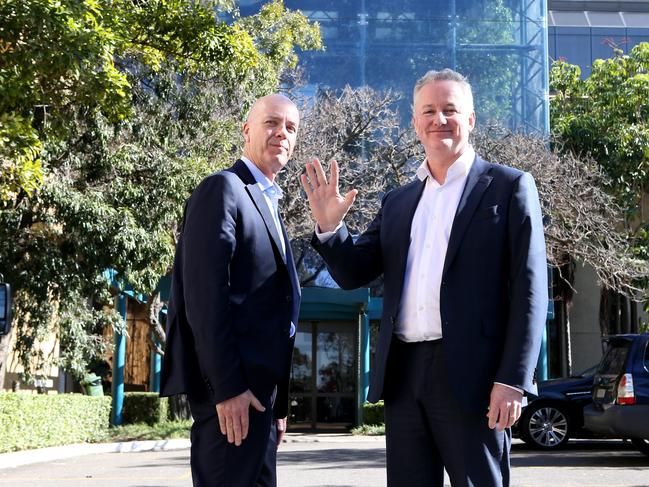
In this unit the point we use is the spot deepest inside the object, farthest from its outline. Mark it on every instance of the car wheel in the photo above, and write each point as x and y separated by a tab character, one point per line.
641	444
545	426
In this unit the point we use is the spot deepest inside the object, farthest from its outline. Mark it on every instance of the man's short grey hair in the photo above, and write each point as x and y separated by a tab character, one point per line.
443	75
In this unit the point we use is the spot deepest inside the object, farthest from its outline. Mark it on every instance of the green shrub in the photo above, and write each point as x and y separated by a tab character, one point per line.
144	407
373	413
37	421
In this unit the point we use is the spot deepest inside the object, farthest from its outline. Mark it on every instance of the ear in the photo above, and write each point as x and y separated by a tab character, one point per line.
472	120
246	132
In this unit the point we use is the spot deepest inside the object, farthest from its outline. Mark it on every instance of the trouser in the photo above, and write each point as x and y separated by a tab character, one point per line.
427	431
217	463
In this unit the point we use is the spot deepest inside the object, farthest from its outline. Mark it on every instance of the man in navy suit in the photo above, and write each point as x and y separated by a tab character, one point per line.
465	295
233	308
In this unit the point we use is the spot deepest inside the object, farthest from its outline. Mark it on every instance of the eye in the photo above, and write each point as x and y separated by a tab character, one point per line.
449	112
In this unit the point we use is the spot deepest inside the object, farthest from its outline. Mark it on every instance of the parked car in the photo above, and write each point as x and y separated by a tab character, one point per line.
620	407
556	415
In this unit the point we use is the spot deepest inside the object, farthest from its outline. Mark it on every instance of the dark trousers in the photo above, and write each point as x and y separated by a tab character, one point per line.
427	432
217	463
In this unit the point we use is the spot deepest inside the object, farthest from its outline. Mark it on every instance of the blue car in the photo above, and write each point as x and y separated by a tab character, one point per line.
620	407
557	415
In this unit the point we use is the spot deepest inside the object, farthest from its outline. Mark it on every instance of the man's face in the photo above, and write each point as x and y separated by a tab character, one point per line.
443	119
270	133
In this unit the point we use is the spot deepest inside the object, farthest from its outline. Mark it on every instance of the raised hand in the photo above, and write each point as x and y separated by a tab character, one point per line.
328	206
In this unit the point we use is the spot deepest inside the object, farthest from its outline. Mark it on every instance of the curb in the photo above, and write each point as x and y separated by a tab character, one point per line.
25	457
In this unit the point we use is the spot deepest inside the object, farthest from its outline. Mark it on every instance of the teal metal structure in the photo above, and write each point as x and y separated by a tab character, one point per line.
119	361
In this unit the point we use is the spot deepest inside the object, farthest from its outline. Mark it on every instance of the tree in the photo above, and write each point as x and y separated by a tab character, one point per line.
605	116
131	104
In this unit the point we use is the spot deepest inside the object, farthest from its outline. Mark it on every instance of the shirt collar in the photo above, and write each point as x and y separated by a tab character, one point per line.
459	168
269	187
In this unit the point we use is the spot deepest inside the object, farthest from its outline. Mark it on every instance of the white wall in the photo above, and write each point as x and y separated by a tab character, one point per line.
585	336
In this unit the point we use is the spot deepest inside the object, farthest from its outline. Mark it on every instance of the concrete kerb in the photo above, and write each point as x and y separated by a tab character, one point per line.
26	457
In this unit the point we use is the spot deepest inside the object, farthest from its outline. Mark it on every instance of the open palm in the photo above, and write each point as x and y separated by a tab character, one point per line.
328	206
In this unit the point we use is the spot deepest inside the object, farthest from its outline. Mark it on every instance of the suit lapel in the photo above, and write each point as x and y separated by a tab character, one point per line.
258	198
290	263
477	182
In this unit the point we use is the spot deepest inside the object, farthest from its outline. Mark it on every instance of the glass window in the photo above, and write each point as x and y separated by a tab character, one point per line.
301	372
335	409
336	353
615	358
300	410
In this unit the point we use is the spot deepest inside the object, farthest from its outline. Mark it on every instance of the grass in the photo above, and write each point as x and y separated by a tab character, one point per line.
143	431
369	430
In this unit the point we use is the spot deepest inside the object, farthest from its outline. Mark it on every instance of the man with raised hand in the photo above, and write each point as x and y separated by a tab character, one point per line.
462	252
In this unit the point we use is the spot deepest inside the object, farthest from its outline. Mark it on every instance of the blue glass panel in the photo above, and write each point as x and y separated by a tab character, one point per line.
635	37
500	44
552	44
604	40
573	44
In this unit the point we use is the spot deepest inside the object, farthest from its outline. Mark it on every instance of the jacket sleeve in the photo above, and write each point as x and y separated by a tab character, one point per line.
528	287
209	243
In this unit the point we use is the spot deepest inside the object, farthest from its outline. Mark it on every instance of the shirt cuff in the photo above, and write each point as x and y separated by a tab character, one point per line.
324	236
511	387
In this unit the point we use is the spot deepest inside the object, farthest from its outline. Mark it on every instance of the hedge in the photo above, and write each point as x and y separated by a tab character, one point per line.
373	413
38	420
144	407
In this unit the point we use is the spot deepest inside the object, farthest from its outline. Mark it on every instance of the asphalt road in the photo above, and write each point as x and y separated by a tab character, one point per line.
340	461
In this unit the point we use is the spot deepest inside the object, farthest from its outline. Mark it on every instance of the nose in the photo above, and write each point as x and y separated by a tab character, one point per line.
282	131
439	119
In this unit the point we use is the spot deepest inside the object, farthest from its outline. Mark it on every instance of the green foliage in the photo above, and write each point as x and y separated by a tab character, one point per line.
109	117
145	407
142	431
373	413
606	116
36	421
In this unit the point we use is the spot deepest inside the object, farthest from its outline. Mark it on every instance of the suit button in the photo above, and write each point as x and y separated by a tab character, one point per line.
289	299
443	283
393	320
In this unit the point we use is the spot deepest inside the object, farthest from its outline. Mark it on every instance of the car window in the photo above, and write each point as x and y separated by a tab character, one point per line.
614	359
646	356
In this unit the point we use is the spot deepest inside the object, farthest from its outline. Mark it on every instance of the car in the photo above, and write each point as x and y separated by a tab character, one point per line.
620	399
550	420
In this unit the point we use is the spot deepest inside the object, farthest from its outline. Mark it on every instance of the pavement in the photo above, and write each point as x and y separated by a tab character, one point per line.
311	460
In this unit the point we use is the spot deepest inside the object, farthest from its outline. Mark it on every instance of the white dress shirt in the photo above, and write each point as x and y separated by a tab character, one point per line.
419	313
272	194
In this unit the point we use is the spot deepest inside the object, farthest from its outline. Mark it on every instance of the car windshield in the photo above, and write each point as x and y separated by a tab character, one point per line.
613	361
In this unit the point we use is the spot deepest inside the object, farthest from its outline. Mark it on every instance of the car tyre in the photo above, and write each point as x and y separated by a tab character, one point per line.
545	425
641	444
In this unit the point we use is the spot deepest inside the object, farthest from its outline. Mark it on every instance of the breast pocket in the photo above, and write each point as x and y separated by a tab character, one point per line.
489	214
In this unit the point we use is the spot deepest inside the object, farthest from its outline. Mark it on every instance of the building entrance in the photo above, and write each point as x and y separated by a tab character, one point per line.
323	377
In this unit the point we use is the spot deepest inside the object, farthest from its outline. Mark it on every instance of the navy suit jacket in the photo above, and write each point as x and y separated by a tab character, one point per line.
233	296
493	295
